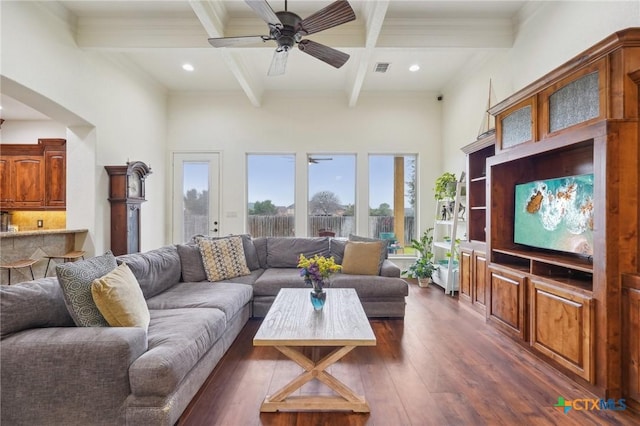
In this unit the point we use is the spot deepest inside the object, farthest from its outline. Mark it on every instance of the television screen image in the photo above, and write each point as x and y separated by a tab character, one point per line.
555	214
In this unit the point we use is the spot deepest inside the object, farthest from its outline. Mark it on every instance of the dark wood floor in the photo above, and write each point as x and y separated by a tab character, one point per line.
441	365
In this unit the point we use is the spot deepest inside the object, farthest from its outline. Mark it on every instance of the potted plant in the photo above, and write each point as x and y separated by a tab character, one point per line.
423	267
445	186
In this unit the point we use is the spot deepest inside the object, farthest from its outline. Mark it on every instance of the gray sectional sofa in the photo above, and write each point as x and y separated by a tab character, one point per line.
57	374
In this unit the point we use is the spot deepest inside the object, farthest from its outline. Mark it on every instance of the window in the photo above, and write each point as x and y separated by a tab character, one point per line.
270	195
392	199
332	194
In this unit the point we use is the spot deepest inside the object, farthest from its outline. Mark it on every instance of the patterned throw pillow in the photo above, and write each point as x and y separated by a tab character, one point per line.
223	258
75	278
119	299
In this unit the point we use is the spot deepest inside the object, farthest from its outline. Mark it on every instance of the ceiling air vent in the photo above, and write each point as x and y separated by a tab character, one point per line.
382	67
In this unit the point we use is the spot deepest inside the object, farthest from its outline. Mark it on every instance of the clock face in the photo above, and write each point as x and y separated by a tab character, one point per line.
134	188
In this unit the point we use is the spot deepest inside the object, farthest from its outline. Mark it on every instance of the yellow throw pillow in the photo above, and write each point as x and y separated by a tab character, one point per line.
119	299
362	258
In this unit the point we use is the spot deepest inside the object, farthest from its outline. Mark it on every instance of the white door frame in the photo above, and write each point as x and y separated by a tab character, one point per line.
178	159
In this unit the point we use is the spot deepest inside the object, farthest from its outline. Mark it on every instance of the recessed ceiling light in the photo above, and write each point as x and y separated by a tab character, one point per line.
187	67
414	67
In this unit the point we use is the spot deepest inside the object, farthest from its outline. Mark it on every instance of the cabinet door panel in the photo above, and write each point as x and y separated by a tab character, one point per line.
480	278
6	191
28	177
465	274
631	340
561	326
56	174
133	225
507	308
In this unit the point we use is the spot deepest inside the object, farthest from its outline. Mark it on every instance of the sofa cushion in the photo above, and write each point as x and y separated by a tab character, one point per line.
283	252
75	278
372	287
120	300
260	244
336	249
223	258
178	339
32	304
156	270
228	297
272	280
245	279
362	258
191	263
384	250
250	252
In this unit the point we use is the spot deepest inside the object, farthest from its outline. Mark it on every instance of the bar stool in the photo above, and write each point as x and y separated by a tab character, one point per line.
18	264
67	257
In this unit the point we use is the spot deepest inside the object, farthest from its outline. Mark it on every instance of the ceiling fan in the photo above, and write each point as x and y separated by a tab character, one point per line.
287	29
316	160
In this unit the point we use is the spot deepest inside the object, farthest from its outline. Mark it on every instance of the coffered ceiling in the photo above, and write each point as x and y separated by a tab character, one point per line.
445	38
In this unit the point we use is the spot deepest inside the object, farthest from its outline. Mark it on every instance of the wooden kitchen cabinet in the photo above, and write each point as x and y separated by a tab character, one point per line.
6	192
23	182
27	175
56	178
33	176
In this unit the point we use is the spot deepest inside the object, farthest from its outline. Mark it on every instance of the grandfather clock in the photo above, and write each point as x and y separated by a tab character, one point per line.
126	194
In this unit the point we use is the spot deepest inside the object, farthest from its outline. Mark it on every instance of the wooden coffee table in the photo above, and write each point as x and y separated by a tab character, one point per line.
292	324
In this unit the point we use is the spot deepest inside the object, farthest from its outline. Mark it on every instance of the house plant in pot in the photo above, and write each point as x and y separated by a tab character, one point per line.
445	186
423	267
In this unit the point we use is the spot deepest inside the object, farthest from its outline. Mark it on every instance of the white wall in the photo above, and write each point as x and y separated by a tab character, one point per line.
555	32
381	123
28	132
111	113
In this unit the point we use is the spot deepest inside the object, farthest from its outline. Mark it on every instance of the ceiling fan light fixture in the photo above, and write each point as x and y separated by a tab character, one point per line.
288	29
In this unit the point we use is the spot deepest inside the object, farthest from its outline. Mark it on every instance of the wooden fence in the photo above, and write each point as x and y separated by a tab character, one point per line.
284	226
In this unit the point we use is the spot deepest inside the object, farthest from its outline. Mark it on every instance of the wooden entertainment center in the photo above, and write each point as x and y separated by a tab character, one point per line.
575	311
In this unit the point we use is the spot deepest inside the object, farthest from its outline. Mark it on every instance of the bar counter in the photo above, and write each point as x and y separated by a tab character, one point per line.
36	244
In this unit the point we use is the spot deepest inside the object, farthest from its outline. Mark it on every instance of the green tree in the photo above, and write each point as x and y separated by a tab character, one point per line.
325	203
196	202
411	183
383	210
263	208
349	210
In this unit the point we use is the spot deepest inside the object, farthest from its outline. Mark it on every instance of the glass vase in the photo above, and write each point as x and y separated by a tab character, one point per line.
318	297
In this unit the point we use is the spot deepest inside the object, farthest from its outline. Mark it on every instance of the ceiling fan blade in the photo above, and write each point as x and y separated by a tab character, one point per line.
337	13
327	54
262	8
279	62
235	41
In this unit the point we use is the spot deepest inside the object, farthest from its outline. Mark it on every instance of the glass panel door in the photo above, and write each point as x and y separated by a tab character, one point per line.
196	209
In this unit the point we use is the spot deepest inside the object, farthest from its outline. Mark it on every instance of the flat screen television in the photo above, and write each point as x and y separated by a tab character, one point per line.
555	214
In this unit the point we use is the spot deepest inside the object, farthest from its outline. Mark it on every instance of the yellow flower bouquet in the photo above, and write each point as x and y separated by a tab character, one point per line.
316	270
